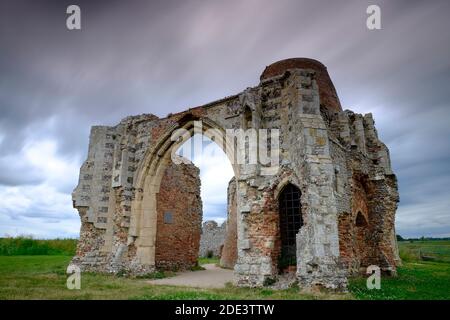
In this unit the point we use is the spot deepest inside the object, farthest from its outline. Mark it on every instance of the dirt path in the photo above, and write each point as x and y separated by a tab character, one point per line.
212	277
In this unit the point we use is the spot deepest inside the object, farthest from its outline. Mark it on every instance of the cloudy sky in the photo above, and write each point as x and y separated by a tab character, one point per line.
133	57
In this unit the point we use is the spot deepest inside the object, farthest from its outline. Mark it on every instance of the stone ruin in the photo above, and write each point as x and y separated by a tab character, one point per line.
326	212
212	239
222	240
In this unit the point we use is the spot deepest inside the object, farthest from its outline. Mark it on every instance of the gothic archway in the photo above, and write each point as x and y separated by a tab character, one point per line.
143	220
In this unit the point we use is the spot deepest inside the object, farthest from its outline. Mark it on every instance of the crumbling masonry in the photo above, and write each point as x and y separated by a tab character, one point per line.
212	239
330	206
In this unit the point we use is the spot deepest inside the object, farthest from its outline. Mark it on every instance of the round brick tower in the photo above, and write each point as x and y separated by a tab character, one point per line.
328	96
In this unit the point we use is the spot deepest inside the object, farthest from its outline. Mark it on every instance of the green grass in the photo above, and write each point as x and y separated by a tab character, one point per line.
438	250
214	260
416	279
44	277
29	246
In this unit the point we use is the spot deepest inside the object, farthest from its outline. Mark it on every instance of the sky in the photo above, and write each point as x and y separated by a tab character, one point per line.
133	57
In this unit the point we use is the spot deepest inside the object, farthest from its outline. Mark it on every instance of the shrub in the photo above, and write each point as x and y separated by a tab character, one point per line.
28	246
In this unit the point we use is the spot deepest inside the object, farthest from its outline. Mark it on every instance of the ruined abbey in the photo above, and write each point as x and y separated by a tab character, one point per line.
326	212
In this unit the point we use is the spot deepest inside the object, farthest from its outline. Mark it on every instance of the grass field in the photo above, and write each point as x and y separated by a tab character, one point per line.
417	279
44	277
437	250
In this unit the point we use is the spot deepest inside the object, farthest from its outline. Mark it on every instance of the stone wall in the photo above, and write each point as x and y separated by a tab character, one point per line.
212	239
229	251
222	240
179	221
348	190
177	240
367	193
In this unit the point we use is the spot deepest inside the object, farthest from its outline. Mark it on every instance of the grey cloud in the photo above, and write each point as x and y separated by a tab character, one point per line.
40	211
160	57
214	211
15	172
10	178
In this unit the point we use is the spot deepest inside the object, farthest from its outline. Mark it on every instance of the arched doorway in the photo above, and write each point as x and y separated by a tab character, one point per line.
291	221
150	172
211	227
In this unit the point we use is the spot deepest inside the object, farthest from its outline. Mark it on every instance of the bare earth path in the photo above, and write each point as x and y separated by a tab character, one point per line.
212	277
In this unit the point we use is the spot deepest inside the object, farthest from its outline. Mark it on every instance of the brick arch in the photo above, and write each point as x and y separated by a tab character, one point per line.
164	143
360	223
356	227
143	221
283	183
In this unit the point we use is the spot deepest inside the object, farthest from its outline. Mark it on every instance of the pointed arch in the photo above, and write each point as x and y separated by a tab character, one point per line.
143	220
360	220
247	118
283	183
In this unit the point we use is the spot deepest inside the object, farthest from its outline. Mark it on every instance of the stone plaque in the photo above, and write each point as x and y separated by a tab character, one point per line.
168	217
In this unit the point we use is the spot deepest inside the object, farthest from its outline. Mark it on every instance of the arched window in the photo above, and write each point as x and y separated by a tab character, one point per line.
290	223
247	117
360	220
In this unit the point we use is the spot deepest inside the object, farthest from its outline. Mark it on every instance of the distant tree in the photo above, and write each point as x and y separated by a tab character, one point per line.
400	238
